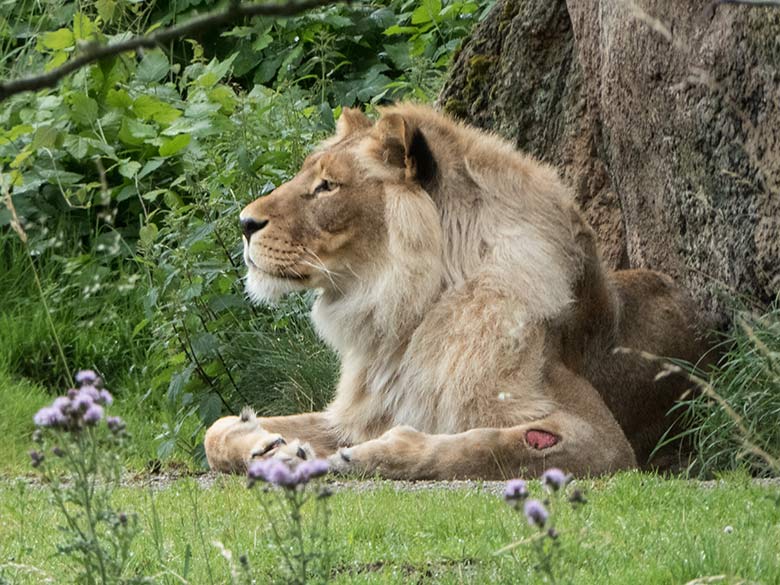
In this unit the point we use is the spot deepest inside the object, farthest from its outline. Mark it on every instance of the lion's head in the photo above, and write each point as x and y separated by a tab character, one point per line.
355	218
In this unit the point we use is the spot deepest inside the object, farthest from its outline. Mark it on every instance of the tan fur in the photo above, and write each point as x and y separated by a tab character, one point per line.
464	294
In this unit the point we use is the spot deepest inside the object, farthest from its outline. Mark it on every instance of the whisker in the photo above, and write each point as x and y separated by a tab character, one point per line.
325	271
320	265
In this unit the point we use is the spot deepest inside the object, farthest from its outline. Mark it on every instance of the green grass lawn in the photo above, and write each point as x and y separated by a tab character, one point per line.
636	528
22	398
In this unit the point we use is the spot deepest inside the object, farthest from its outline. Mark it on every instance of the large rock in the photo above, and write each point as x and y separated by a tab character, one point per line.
664	116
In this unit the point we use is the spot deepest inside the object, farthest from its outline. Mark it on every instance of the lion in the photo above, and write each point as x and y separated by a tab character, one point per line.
466	298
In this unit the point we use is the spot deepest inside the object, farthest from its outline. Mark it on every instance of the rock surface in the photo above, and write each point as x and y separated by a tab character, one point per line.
663	115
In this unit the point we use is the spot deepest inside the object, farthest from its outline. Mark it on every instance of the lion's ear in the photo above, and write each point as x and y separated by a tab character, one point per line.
405	146
395	137
351	120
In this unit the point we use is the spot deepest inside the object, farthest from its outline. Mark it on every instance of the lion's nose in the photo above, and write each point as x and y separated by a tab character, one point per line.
250	226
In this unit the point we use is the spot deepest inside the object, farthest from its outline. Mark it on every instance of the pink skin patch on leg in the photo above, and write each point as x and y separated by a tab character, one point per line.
540	439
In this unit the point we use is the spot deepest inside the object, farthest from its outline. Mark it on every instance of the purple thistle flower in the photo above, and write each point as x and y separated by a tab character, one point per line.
72	393
258	470
48	416
36	457
62	403
281	475
90	391
86	377
93	415
58	451
535	513
309	470
272	471
515	490
554	479
105	398
83	401
115	424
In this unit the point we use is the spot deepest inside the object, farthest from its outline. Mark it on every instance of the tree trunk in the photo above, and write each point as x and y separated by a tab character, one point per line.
663	115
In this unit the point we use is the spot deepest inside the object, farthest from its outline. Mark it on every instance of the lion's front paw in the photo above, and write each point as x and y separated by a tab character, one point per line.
393	455
341	461
276	447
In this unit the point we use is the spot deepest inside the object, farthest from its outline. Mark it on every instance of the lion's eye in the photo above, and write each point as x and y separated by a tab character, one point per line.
323	187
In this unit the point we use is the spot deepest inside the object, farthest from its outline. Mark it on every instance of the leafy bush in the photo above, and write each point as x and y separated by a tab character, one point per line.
128	180
738	428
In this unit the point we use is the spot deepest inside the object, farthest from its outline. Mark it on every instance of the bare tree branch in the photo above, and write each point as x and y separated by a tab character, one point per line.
96	52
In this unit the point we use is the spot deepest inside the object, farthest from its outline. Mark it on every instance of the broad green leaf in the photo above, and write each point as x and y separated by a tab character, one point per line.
384	17
210	408
147	107
61	177
20	158
172	199
428	11
399	54
44	137
215	71
173	145
225	97
267	69
153	67
193	291
56	60
179	381
126	192
136	133
154	193
262	42
129	168
204	344
106	9
83	27
201	126
19	130
290	62
239	32
58	39
119	98
76	146
84	109
400	30
150	166
148	233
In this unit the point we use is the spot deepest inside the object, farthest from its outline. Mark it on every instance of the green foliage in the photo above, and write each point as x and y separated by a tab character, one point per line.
747	379
129	177
93	304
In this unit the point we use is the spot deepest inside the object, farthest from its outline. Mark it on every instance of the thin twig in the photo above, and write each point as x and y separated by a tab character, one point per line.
96	52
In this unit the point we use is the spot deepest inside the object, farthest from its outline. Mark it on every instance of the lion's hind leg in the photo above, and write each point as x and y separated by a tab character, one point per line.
579	436
559	440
